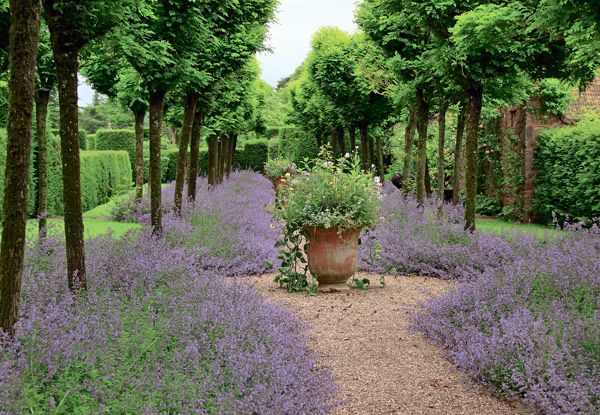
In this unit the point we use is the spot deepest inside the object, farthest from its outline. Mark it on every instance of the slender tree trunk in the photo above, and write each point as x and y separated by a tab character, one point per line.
334	143
423	108
157	105
139	155
225	149
67	66
428	189
352	134
318	137
194	154
456	170
409	137
371	151
472	127
441	171
231	155
23	44
364	145
221	164
380	168
41	114
341	140
184	140
213	152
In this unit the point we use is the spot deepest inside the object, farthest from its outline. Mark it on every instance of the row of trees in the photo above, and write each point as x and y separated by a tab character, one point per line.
198	54
416	58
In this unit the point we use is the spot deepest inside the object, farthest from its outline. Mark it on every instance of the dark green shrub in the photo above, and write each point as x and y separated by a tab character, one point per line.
568	165
253	155
274	148
488	206
297	145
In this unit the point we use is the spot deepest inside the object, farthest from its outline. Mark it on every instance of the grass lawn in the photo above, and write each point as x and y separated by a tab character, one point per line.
500	227
96	222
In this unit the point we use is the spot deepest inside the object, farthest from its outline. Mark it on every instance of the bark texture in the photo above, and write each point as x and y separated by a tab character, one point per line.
341	140
41	113
139	155
213	154
441	173
184	140
157	104
194	154
472	127
23	44
67	66
423	108
409	137
458	162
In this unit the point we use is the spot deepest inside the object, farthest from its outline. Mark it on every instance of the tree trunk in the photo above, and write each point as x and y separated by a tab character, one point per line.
157	105
456	169
41	114
194	154
213	152
341	141
409	137
428	190
221	158
225	149
232	146
23	44
380	168
184	140
67	66
318	137
371	151
352	134
441	173
334	143
423	109
364	145
139	155
472	127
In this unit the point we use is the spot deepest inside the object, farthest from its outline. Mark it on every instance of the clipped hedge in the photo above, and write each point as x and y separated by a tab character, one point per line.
296	145
90	142
166	148
252	155
568	165
117	140
104	174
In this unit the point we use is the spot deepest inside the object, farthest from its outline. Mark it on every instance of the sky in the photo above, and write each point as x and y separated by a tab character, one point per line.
289	37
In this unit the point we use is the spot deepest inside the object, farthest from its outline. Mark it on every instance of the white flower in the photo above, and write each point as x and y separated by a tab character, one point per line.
346	155
372	166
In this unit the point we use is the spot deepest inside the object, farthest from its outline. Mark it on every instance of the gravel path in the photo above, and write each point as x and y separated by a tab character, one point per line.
380	366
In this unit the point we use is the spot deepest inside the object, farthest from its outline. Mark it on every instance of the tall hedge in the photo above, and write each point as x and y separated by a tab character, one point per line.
252	155
568	165
296	144
103	174
117	140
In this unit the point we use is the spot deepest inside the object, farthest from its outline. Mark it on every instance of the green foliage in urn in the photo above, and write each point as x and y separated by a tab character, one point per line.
276	167
331	195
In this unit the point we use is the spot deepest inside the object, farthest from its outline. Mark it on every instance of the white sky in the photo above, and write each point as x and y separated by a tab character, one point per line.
289	38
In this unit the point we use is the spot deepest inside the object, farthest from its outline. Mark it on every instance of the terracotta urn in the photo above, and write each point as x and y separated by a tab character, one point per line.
332	256
278	184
